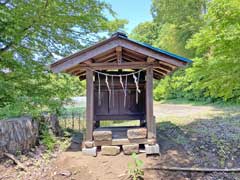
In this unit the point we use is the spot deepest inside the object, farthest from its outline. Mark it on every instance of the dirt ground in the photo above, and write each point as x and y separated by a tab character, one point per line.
189	136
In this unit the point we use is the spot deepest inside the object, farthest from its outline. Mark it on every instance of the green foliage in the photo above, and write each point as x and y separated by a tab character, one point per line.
219	42
177	12
178	86
214	37
46	137
48	140
146	32
178	21
174	23
32	34
135	170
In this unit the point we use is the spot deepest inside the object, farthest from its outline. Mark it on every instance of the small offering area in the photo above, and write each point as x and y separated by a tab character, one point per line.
119	74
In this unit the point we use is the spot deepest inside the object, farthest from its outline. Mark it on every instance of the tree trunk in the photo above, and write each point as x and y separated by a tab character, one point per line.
17	134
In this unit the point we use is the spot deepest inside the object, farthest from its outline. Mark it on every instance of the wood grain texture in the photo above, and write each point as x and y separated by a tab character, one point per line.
149	103
90	105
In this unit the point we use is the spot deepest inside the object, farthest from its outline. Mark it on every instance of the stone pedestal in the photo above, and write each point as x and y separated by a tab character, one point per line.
110	150
90	151
138	133
88	144
131	148
152	149
102	135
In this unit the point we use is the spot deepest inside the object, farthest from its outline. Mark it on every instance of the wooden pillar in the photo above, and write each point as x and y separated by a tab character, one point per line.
90	105
151	126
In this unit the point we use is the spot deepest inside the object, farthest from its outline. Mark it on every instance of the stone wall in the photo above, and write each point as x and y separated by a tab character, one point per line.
17	134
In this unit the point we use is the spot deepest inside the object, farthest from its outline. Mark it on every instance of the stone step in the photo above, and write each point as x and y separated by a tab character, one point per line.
138	133
88	144
152	149
110	150
131	148
90	151
102	135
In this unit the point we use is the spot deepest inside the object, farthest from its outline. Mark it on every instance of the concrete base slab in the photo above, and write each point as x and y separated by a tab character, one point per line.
90	151
152	149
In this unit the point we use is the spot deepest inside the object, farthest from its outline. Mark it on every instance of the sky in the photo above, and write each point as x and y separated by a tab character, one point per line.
135	11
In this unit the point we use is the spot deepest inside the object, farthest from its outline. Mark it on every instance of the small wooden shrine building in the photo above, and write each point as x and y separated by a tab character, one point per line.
119	74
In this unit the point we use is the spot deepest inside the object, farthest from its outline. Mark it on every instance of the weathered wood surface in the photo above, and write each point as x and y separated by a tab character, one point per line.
108	45
110	106
19	164
151	126
192	169
17	134
90	104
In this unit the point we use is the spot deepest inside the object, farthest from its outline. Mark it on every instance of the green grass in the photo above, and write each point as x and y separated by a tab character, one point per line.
197	103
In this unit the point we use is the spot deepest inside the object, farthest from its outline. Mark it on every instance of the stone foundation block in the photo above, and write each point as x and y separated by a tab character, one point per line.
131	148
138	133
102	143
110	150
152	149
102	135
90	151
89	144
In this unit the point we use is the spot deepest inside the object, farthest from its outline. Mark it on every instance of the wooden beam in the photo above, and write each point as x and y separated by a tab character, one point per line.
166	64
157	76
80	73
74	60
90	105
131	59
142	50
150	59
89	61
134	54
102	48
160	71
119	54
125	65
137	58
151	126
103	59
166	70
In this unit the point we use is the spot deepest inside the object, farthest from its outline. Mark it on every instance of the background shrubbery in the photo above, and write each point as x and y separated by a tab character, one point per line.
208	32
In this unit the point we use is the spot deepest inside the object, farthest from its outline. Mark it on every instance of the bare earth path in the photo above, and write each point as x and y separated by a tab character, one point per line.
199	136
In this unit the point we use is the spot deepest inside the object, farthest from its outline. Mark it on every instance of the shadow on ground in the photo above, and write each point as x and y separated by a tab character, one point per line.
208	143
76	139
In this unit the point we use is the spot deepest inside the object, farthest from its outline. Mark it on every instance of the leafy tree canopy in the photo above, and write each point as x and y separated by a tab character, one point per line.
146	32
215	73
32	34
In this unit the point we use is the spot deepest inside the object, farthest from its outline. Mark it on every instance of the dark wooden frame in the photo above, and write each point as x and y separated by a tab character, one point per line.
115	110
